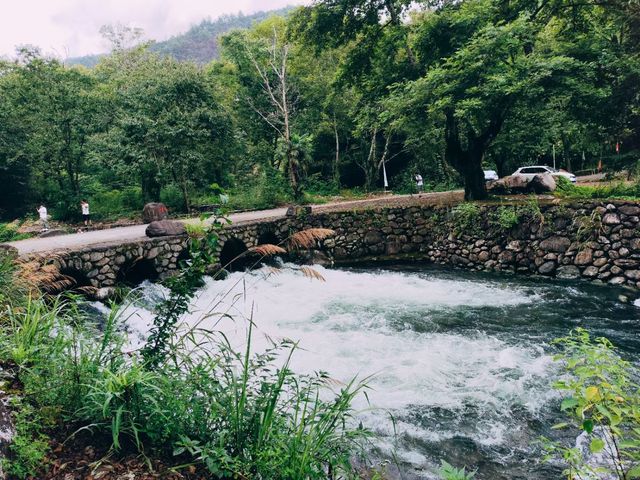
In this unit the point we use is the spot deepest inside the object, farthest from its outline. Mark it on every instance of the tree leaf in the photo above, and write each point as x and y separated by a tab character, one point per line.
568	403
592	394
634	472
596	445
587	425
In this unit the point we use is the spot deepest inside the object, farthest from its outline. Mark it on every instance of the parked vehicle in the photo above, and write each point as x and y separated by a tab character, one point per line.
490	176
532	171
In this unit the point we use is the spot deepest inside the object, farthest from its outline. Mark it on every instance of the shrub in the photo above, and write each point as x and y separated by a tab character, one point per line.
508	216
622	190
505	218
28	446
316	185
9	233
465	218
449	472
187	392
171	196
602	401
116	203
267	189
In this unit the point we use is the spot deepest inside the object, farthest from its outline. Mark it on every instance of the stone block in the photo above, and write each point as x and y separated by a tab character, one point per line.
568	271
547	268
585	257
556	244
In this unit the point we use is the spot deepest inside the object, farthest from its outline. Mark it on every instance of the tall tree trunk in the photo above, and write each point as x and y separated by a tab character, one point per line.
185	195
474	185
149	184
336	160
370	164
468	162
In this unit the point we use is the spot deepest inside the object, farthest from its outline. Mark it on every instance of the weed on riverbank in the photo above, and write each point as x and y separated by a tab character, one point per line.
187	399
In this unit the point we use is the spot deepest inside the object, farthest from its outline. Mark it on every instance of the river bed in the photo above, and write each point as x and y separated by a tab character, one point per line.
461	362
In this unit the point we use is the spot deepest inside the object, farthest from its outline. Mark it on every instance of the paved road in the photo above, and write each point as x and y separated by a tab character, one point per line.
136	232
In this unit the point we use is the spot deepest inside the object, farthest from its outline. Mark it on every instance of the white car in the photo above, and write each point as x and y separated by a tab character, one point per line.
532	171
490	175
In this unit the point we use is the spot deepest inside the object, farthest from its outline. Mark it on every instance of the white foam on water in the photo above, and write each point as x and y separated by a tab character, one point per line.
345	326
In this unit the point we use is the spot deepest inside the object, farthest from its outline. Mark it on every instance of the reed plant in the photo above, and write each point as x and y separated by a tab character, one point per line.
187	394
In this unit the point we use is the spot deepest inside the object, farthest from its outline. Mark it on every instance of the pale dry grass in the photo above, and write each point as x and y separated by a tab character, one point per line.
309	238
311	273
267	250
40	274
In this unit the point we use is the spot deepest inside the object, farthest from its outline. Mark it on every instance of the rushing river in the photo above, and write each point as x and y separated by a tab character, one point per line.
461	362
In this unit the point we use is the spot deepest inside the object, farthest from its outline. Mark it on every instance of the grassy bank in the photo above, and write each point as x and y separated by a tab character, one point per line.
619	190
187	397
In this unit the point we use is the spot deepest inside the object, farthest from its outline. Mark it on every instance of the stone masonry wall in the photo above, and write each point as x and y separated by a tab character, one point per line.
105	265
594	240
598	241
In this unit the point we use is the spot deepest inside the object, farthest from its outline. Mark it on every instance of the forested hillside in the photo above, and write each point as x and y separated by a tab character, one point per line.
324	98
198	44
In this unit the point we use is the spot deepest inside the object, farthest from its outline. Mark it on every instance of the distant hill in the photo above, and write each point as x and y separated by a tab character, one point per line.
200	43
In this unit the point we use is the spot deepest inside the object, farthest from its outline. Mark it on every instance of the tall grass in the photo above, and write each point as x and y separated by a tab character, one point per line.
195	400
566	189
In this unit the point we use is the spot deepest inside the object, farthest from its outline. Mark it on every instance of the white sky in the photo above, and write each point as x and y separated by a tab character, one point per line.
69	28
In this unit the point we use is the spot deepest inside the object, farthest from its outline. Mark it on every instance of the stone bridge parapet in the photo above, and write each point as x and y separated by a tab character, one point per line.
594	240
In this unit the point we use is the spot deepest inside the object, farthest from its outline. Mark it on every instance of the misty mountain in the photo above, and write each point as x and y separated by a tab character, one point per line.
198	44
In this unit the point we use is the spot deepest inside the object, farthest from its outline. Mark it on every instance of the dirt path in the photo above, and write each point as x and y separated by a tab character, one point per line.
137	232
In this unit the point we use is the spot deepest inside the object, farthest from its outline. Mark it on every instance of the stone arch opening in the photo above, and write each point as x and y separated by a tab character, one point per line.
231	250
268	236
183	256
136	271
78	277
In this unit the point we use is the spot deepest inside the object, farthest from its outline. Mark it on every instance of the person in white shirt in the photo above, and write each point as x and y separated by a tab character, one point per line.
44	218
85	212
419	183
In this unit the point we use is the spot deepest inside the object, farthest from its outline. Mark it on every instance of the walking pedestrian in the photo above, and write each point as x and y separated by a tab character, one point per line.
419	183
44	218
86	217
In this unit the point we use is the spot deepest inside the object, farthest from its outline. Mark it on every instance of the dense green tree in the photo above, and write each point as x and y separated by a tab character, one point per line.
168	126
324	98
52	112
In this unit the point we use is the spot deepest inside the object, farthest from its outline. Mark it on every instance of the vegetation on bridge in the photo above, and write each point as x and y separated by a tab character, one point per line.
321	99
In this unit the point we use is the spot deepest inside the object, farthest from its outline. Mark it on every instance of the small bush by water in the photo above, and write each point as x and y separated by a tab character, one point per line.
621	190
602	405
187	395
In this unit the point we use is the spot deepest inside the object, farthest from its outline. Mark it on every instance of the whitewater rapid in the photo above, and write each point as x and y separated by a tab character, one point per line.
437	373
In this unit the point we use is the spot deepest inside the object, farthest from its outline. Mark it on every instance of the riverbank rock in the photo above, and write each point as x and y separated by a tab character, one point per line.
513	184
542	183
163	228
296	210
55	232
154	211
510	184
7	429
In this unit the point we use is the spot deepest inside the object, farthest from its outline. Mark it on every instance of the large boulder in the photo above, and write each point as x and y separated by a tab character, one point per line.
520	184
163	228
542	183
56	232
510	184
154	211
296	210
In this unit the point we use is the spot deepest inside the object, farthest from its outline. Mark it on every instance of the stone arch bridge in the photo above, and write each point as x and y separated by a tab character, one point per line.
593	240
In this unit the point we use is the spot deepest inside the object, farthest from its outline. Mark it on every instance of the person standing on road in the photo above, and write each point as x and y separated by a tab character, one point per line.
44	218
419	183
85	213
